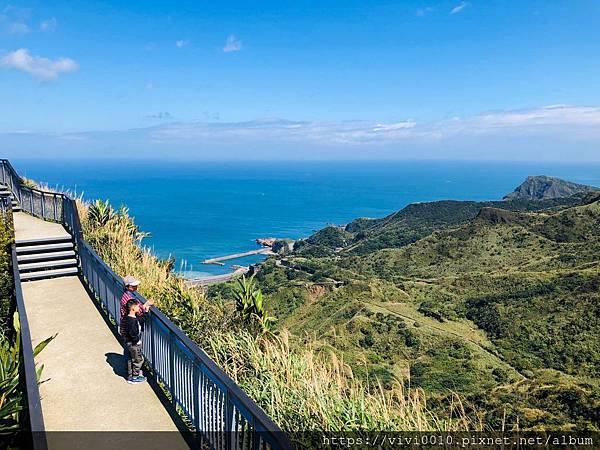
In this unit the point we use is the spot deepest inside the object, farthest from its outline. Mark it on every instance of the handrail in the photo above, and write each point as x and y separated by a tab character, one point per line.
217	407
47	205
36	419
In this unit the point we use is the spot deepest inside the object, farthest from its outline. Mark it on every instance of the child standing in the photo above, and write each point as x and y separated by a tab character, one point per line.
133	337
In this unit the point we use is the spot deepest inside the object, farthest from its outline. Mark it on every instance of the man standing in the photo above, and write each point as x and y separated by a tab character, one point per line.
131	286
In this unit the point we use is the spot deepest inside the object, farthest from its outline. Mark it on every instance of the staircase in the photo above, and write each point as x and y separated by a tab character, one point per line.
5	191
41	259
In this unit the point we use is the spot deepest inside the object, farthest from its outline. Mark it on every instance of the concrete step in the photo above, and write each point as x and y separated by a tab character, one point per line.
43	241
39	257
47	265
44	248
45	274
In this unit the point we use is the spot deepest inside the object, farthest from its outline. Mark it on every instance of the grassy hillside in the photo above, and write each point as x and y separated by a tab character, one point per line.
498	302
412	223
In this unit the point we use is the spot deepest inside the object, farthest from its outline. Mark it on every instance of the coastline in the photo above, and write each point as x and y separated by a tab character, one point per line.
225	207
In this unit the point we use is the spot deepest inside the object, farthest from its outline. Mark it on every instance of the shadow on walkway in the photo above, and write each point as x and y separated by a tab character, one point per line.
118	363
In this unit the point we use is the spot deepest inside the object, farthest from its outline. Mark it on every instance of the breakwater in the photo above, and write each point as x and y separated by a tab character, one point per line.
220	259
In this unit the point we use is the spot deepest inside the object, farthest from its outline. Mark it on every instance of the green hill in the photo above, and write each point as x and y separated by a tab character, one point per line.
416	221
496	301
543	187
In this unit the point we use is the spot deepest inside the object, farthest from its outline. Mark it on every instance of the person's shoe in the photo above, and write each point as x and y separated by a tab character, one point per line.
139	379
130	380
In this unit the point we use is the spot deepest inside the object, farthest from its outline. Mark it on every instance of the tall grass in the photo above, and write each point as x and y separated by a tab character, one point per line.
303	389
118	241
297	386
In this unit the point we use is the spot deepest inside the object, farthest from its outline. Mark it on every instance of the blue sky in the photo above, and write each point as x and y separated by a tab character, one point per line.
304	79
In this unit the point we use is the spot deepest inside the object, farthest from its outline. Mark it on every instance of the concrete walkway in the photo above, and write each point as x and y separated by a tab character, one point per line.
28	227
84	367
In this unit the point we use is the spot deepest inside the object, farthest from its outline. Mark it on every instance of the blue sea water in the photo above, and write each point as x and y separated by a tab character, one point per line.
197	210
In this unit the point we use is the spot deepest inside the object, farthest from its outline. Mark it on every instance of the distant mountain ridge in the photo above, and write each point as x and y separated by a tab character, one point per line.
417	220
542	187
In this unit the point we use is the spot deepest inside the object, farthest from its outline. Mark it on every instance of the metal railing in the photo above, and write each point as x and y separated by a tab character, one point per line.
47	205
220	411
29	374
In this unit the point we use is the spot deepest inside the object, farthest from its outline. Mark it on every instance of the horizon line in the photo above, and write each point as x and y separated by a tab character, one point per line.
300	160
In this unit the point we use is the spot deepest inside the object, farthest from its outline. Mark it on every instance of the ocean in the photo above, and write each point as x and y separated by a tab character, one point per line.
198	210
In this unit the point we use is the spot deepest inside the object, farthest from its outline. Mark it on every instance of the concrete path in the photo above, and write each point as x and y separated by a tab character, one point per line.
84	367
28	227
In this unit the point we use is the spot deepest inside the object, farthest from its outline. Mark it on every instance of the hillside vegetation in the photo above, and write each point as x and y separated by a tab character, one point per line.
542	187
498	302
410	224
299	386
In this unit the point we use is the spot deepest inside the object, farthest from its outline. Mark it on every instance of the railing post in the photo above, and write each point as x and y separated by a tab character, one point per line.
117	302
152	351
255	435
43	202
196	393
55	199
172	367
228	421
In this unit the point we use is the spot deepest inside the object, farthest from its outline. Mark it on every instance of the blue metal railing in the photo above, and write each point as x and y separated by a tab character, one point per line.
220	411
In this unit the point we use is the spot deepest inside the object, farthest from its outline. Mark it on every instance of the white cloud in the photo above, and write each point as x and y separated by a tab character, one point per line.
17	28
37	66
555	132
536	118
394	126
459	8
424	11
182	43
232	44
547	121
49	25
13	20
350	132
16	12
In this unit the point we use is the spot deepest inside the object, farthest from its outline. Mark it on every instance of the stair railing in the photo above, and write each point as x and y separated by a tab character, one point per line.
29	373
221	412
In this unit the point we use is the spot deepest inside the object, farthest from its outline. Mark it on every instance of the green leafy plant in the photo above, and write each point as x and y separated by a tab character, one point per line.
11	396
100	213
250	305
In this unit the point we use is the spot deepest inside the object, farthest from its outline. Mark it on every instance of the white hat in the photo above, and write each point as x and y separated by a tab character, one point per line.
131	281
